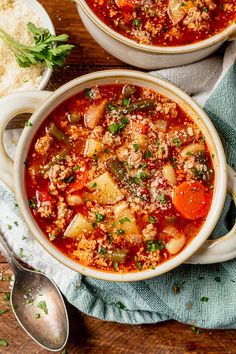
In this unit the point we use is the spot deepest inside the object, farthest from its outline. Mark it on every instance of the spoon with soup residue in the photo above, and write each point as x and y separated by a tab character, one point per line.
37	304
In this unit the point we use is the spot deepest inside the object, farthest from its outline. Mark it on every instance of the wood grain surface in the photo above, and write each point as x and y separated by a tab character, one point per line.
87	334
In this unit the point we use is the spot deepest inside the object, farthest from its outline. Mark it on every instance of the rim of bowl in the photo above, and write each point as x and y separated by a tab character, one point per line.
219	190
47	23
151	48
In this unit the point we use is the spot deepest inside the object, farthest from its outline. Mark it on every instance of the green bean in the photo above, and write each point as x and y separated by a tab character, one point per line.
144	105
74	117
54	131
119	171
59	157
128	90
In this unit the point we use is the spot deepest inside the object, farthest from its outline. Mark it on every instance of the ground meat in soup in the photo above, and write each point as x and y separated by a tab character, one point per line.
166	22
119	178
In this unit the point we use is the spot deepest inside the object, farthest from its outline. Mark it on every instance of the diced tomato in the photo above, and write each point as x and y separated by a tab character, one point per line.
43	196
79	183
127	5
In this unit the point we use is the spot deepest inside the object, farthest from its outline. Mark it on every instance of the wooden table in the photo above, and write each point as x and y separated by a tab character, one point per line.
89	335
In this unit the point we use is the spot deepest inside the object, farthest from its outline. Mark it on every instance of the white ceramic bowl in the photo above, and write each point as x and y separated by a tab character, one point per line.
147	56
42	103
46	23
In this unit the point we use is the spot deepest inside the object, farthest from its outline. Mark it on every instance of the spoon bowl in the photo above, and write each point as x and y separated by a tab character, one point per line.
38	305
39	308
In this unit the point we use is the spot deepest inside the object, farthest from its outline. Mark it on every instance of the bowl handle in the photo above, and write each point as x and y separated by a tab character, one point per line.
10	106
232	37
224	248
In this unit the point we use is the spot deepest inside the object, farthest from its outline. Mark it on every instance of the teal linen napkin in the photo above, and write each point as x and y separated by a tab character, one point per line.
203	296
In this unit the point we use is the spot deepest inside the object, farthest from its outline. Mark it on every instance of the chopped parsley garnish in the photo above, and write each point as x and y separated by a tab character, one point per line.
177	142
37	316
32	203
9	227
120	305
99	217
43	306
110	106
21	253
120	232
94	185
126	101
102	250
195	330
138	264
6	296
135	147
153	246
70	179
3	342
115	265
116	127
3	311
147	154
52	236
28	124
152	219
89	93
142	175
136	22
16	223
75	168
165	29
204	9
123	220
106	151
204	299
110	237
161	198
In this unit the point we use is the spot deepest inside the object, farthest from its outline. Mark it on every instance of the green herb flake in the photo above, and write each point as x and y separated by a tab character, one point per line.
37	316
116	127
120	305
151	219
32	203
120	232
110	238
3	311
116	265
102	250
28	124
147	154
21	253
195	330
75	168
136	22
16	205
177	142
204	299
89	93
138	264
123	220
94	185
126	101
135	147
9	227
52	236
218	279
6	296
43	306
161	198
153	246
204	9
99	217
3	342
106	151
16	223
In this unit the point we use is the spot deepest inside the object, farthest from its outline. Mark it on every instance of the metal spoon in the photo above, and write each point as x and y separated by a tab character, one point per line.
37	304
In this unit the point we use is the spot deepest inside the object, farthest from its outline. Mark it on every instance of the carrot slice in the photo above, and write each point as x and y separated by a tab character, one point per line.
191	200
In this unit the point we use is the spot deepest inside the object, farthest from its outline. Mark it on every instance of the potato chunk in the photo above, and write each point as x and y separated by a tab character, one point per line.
94	113
192	149
78	226
92	147
125	219
105	190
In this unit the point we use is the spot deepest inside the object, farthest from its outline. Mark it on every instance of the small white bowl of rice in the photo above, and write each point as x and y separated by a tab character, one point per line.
14	16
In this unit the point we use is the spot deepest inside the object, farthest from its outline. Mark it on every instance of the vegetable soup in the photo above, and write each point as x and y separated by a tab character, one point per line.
166	22
119	178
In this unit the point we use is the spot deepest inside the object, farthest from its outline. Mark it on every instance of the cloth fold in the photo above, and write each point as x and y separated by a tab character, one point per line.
199	295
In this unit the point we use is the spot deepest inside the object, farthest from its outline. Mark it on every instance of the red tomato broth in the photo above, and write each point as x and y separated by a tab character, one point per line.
49	186
150	23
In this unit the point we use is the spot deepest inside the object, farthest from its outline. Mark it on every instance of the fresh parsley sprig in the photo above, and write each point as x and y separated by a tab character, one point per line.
48	49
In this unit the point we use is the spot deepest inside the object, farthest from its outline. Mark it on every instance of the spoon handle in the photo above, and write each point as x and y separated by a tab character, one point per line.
9	255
